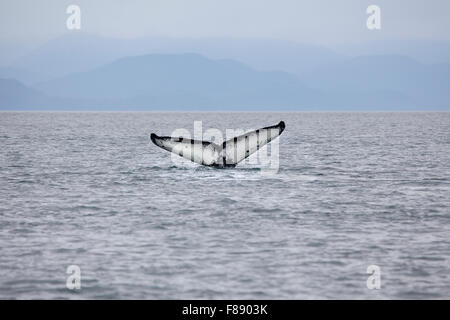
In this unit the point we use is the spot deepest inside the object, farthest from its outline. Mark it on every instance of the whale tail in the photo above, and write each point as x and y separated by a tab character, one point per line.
229	154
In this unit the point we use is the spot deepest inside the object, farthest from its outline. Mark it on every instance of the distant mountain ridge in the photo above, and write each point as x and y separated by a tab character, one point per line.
422	84
191	81
79	52
16	95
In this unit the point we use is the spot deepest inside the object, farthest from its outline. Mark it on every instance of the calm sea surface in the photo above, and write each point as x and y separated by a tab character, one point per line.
352	190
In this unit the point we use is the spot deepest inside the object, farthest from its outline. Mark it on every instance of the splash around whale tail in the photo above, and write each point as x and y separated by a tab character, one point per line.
229	154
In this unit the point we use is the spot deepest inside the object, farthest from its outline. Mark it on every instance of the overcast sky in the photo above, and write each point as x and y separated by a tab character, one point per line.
315	21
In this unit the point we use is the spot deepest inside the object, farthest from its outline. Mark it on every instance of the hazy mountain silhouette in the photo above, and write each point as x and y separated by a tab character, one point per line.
14	94
425	85
77	52
23	75
194	82
423	51
186	80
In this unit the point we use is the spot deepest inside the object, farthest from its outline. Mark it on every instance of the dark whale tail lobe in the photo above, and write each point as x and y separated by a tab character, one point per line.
282	126
156	139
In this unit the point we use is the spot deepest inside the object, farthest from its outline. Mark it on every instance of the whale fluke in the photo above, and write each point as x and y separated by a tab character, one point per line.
229	154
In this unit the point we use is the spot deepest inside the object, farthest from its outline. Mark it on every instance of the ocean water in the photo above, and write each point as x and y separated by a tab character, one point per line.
352	190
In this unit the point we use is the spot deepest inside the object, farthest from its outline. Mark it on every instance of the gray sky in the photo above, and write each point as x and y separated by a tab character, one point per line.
315	21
